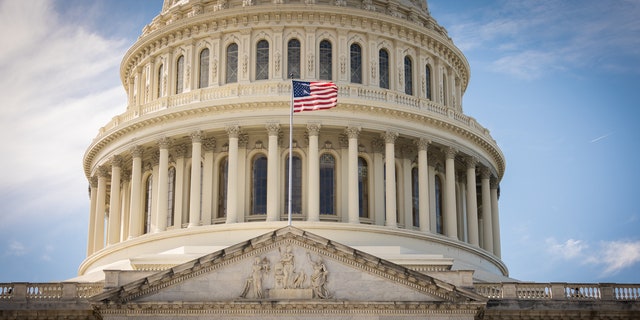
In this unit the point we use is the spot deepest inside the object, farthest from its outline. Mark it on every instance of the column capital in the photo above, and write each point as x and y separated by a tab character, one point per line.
155	158
116	161
450	153
126	175
103	171
273	128
209	144
485	173
164	143
471	162
493	182
422	143
196	136
136	151
377	145
313	128
352	132
180	151
389	136
243	140
343	141
93	182
233	131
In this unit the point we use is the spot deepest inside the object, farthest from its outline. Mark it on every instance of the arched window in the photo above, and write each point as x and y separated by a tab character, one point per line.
363	188
427	81
296	185
232	63
159	81
171	196
148	201
259	185
408	75
203	71
327	184
356	63
439	219
383	67
293	59
415	198
262	60
325	60
223	174
180	74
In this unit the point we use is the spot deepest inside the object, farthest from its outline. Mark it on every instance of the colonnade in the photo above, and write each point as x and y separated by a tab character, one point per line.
447	195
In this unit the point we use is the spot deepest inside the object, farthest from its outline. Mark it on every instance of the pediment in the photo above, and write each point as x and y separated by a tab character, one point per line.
287	264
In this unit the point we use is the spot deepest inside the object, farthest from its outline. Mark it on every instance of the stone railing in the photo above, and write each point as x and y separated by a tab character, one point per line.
22	291
559	291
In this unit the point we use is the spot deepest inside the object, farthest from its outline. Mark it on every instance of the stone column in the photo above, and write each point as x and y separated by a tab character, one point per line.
273	194
101	198
232	177
487	243
162	195
207	180
472	202
495	217
313	129
113	229
125	205
450	214
196	158
352	133
180	203
135	211
93	187
433	223
423	184
390	178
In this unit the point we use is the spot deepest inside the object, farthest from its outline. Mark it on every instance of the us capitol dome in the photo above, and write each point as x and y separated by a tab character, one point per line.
199	159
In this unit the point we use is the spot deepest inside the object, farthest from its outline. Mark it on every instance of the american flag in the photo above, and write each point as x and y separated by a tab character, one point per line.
311	96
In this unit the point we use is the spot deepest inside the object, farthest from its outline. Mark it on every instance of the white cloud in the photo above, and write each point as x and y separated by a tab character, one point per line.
16	248
611	256
570	249
618	255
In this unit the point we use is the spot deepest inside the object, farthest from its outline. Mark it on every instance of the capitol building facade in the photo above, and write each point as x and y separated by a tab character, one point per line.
393	194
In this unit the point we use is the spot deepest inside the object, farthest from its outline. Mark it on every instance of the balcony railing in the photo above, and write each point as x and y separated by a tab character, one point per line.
21	291
559	291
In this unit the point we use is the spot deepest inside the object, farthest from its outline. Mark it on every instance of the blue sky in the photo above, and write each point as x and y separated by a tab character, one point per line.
557	82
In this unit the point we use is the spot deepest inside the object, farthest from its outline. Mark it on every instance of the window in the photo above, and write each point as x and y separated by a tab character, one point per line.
203	80
148	201
325	60
296	185
444	88
223	174
427	81
171	196
262	60
293	59
180	74
383	66
363	188
232	63
408	75
439	219
159	81
415	198
356	63
259	186
327	184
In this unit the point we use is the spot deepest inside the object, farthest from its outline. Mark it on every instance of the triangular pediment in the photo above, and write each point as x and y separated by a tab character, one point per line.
287	264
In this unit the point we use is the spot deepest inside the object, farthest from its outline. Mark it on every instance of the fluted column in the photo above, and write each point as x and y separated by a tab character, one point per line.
93	187
352	133
125	205
208	145
180	201
472	202
390	177
273	197
113	229
313	129
487	243
423	184
101	198
495	217
232	177
162	195
450	217
194	200
135	212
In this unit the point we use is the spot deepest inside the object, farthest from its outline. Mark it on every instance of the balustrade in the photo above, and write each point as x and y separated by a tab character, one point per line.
567	291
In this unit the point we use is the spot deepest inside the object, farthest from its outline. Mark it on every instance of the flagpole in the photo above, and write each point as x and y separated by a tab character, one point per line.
290	155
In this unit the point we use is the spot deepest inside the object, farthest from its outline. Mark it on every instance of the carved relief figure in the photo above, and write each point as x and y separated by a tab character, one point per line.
319	278
254	282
